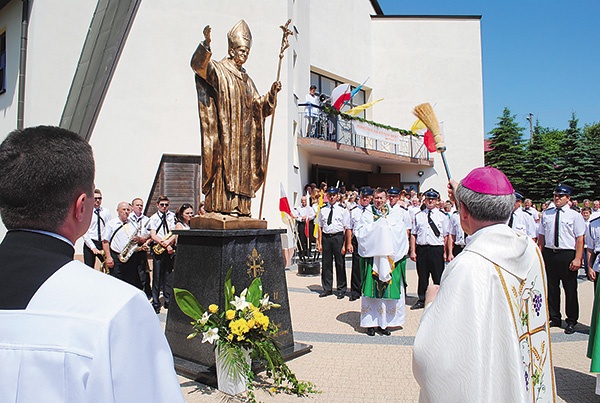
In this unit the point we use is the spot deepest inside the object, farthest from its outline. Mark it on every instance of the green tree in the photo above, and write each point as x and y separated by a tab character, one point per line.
507	148
540	163
575	164
591	134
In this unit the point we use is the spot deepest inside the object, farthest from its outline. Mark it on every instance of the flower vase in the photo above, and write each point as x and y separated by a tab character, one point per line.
227	382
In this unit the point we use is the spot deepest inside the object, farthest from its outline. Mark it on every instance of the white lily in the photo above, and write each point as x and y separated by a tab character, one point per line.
204	318
240	303
265	301
211	335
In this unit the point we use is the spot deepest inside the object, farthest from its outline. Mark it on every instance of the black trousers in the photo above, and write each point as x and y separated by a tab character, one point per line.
557	271
456	249
332	249
162	277
430	261
141	263
304	244
355	278
88	256
125	271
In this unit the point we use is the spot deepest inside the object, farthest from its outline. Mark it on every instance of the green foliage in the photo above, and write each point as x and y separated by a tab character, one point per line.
550	157
240	327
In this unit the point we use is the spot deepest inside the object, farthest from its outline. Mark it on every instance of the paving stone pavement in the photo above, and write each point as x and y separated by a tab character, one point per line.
348	366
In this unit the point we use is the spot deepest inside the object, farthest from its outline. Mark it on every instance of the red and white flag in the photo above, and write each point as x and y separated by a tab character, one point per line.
339	95
284	204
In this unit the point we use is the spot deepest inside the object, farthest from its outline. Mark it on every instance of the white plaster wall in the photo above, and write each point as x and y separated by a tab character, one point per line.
10	22
435	60
53	51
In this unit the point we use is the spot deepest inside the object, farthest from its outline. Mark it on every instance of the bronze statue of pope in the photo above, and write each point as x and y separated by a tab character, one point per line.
232	116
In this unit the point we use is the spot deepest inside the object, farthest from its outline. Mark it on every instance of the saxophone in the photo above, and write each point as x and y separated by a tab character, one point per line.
158	248
130	248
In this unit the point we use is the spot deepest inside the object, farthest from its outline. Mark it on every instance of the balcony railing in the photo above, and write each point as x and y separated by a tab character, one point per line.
317	123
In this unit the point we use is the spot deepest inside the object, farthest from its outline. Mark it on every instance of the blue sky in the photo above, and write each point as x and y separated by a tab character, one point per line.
540	57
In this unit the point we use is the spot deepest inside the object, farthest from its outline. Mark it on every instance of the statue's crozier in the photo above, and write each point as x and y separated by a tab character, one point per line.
232	115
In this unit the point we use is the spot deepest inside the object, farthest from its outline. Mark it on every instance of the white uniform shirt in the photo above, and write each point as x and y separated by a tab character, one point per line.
423	232
523	223
118	234
302	212
340	220
155	223
456	230
412	210
592	240
59	351
313	109
92	233
532	212
141	221
356	213
572	225
404	214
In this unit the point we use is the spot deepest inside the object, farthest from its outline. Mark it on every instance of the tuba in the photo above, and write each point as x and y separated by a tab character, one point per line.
158	248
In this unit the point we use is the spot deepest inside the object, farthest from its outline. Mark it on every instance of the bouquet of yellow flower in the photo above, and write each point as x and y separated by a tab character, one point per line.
241	327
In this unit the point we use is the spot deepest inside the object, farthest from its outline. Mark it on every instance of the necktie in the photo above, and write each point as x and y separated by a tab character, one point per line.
556	227
97	212
434	227
512	218
330	216
164	223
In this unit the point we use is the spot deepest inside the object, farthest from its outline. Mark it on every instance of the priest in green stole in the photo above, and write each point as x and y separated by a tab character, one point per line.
382	244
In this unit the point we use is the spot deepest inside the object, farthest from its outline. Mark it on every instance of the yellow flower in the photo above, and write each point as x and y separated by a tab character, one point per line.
230	337
262	320
251	323
251	305
230	314
212	308
239	327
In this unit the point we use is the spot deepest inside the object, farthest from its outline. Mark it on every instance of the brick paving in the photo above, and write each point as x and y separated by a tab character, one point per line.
348	366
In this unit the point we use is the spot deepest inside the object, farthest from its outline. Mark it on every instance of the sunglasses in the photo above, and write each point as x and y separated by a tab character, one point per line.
163	204
97	198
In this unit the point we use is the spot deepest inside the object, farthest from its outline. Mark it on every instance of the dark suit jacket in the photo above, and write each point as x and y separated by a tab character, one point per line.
27	260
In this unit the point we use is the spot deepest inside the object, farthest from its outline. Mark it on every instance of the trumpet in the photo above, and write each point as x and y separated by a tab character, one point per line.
158	248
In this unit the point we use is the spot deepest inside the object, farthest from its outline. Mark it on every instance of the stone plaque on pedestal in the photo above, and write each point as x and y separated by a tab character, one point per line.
201	264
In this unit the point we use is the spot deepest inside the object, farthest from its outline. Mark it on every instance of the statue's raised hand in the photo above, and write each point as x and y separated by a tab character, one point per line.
206	33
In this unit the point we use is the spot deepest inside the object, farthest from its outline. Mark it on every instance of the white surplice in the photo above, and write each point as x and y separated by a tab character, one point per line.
85	337
386	241
485	337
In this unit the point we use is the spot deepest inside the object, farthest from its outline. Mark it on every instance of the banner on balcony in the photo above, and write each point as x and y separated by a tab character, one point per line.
374	132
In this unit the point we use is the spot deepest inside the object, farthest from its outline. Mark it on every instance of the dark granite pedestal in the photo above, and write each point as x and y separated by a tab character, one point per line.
201	264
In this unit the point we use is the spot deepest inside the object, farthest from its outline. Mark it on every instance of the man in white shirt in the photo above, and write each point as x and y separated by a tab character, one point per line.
427	243
92	239
161	224
67	334
118	234
521	221
304	215
140	257
312	111
561	238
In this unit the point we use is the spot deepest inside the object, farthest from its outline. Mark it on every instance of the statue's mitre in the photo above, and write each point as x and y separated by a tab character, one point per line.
239	35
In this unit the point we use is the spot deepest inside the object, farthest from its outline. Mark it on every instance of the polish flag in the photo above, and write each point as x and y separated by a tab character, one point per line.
284	204
419	128
340	94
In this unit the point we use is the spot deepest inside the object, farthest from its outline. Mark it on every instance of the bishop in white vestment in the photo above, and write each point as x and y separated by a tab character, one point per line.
485	337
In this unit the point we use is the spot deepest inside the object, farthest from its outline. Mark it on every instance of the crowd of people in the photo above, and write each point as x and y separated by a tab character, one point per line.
122	244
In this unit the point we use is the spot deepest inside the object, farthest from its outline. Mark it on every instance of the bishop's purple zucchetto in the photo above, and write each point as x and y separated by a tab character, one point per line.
489	181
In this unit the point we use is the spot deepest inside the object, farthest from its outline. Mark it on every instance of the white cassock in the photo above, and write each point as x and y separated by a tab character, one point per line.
108	347
386	241
485	337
